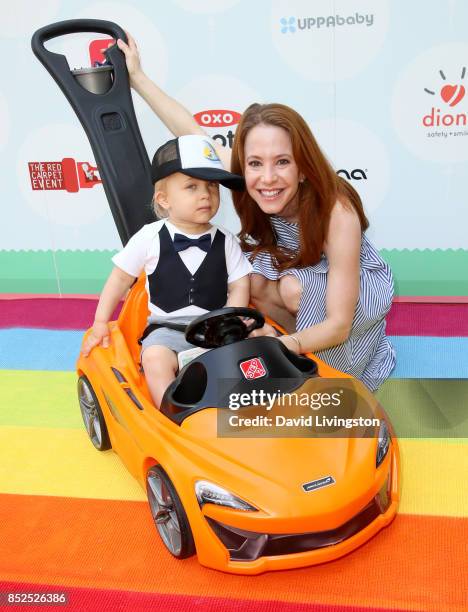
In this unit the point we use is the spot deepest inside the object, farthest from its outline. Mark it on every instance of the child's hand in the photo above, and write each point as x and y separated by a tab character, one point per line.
132	58
99	335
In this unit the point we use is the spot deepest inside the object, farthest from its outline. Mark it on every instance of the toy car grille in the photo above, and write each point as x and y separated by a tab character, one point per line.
248	545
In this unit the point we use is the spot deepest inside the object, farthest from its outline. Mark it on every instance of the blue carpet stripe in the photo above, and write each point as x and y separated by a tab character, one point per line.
417	356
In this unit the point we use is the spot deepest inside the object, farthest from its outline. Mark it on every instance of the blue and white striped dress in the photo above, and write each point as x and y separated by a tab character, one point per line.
367	354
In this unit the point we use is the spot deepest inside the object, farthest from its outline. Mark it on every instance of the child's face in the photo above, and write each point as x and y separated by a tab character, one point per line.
188	200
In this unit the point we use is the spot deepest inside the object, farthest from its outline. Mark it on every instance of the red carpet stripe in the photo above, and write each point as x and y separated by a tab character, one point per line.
77	312
416	563
98	600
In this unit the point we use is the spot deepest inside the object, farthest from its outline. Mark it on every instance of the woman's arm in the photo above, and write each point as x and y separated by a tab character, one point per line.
342	248
173	114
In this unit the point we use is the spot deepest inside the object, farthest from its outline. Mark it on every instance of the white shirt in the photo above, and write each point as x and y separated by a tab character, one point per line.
142	253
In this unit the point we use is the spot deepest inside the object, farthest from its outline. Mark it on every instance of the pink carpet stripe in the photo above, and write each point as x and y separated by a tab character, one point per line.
404	319
49	312
99	600
420	319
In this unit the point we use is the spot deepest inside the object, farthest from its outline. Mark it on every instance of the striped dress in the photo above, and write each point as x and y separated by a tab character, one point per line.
367	354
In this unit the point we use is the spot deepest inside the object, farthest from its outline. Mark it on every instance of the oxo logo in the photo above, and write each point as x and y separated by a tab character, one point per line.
253	368
450	94
217	118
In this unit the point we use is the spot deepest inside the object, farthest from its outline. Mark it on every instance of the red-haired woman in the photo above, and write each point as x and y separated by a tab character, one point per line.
315	272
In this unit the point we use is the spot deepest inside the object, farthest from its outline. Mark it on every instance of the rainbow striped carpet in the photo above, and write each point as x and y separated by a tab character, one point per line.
74	520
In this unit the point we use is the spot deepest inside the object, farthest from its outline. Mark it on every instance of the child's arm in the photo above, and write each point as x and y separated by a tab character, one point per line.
118	283
239	292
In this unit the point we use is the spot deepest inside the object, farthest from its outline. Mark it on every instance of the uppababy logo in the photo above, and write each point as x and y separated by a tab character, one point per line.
296	24
67	174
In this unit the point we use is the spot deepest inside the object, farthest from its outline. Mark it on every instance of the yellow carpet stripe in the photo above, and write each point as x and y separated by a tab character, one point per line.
63	462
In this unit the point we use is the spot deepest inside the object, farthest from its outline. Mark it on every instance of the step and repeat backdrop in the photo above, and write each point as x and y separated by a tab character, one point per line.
382	83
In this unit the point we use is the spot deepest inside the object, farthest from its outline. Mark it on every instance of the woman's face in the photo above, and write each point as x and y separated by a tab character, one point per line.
271	173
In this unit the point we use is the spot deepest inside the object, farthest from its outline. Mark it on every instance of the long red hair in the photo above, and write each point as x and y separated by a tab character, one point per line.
317	195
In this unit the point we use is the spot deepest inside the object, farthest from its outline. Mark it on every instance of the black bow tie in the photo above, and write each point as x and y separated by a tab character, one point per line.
182	242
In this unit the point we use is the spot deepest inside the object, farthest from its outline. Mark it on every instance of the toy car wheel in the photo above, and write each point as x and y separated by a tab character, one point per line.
92	415
169	514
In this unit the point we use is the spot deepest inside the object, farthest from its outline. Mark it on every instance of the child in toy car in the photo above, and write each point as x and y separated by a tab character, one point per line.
181	254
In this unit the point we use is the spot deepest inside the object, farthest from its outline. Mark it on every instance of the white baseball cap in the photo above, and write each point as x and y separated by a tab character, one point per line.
195	156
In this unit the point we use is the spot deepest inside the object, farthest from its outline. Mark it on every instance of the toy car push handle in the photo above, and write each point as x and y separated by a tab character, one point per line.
75	26
101	99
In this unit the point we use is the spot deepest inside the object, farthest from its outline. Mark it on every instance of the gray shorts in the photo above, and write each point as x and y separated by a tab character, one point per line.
170	338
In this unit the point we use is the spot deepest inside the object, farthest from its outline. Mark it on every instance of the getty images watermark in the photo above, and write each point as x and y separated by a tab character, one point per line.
331	407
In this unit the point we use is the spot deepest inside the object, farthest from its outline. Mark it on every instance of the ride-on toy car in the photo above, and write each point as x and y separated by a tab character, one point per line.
244	504
247	499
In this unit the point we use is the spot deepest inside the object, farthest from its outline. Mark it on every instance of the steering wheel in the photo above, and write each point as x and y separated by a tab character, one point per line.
223	326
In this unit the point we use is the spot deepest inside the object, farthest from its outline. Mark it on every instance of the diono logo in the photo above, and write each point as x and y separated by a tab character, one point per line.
68	175
451	95
288	24
253	368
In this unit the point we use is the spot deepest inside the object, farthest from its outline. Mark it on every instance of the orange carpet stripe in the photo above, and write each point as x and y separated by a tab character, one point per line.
415	564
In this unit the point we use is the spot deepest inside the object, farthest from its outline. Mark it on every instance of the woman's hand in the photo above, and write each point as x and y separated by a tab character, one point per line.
98	335
291	343
132	57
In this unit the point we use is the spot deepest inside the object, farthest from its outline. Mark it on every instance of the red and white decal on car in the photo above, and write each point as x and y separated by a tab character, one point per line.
253	368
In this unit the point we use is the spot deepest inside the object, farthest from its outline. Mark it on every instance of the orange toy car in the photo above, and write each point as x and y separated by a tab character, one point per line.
246	500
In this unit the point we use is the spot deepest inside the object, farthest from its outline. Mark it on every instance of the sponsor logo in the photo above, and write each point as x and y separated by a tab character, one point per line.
313	485
219	119
68	175
209	152
253	368
96	57
450	95
291	25
357	174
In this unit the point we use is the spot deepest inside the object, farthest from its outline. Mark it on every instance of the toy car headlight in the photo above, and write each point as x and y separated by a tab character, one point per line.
210	493
383	444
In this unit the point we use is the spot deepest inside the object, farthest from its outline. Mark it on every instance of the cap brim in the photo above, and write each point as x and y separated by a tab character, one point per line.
225	178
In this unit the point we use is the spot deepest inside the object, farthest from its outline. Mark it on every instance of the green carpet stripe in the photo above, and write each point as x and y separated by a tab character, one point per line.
427	408
417	272
32	398
418	408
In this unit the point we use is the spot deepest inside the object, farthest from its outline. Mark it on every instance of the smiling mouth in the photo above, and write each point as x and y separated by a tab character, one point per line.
270	194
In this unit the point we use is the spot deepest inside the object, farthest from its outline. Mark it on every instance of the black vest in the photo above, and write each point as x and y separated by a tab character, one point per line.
172	286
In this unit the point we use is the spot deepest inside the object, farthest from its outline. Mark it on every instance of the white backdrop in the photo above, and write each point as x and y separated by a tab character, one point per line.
382	83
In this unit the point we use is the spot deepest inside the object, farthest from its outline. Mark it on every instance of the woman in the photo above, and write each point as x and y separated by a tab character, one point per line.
315	272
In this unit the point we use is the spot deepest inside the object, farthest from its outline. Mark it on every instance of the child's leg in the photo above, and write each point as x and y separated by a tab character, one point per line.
160	366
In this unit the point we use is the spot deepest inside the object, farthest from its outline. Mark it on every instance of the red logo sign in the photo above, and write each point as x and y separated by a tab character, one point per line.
452	94
217	118
95	50
253	368
67	174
